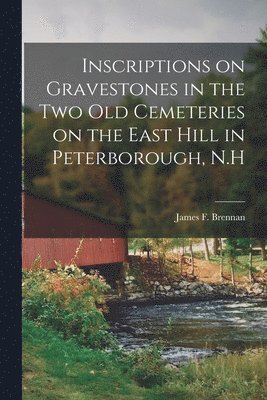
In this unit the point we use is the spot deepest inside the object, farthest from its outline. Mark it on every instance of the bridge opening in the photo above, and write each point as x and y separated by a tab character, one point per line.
113	273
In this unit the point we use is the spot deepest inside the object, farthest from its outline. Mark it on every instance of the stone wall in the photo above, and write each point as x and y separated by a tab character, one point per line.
185	290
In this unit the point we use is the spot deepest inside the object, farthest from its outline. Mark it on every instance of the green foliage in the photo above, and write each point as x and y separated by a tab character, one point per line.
57	369
54	368
141	244
227	377
231	248
147	367
161	246
68	301
236	250
251	183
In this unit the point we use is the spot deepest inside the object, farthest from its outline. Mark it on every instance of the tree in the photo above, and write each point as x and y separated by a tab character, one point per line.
252	180
215	246
221	258
192	257
161	246
233	248
263	250
179	243
251	277
206	248
246	246
231	253
142	244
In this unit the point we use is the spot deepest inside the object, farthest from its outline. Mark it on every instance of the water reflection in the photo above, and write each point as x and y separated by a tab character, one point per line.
192	329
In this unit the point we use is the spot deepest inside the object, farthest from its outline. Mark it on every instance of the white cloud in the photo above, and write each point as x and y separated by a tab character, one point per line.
143	20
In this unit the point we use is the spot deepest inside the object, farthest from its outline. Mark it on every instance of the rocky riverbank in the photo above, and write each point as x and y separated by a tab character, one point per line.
182	289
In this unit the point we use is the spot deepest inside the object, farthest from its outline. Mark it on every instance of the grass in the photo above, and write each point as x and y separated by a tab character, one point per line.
257	260
54	369
232	377
258	264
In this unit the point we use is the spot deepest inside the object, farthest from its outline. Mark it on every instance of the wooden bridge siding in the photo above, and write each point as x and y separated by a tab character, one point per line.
94	251
44	219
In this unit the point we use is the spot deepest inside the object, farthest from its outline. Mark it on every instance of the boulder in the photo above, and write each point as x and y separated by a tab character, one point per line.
208	288
167	288
193	285
183	284
135	296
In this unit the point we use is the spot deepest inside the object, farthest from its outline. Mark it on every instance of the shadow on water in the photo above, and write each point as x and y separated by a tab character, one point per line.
192	330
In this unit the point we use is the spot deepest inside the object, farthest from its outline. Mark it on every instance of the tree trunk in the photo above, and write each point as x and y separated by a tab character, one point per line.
207	253
181	264
221	263
250	274
183	248
263	251
192	258
179	260
215	246
232	273
161	262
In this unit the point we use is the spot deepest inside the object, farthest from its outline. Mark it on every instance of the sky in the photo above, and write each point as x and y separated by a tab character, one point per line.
143	20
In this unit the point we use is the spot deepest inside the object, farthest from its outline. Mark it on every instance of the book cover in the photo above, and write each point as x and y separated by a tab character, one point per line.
144	199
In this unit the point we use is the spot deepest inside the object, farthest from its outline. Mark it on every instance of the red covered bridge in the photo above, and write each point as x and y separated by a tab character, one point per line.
50	219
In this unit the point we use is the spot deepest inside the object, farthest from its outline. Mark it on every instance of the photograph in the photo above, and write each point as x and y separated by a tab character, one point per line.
144	254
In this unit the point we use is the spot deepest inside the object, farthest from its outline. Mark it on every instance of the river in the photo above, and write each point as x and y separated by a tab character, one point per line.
193	329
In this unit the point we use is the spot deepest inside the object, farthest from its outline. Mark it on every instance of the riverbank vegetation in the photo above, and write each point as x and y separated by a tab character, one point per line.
68	301
240	260
69	352
54	368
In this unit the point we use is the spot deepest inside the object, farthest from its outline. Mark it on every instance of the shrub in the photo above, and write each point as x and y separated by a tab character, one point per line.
68	301
147	367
